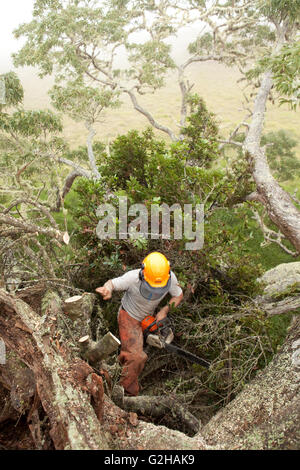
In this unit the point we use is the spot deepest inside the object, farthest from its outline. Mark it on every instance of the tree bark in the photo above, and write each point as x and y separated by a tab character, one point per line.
265	415
65	384
278	203
158	407
92	133
150	118
79	310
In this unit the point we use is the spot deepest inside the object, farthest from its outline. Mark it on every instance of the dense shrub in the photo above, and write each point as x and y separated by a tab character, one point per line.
218	319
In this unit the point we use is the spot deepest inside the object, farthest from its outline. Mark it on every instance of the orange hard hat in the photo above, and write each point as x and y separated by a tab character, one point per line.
156	269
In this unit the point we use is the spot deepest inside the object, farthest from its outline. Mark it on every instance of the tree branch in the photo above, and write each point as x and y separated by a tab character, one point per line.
29	227
150	118
269	235
91	155
287	305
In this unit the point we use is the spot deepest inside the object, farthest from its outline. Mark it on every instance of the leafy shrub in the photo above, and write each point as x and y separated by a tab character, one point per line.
128	156
281	157
200	133
218	319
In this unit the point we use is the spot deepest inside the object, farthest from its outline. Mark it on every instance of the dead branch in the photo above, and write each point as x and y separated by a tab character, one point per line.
286	305
29	227
270	236
158	407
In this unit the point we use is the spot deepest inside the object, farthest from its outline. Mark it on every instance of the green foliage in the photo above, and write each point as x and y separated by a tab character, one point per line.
281	9
14	92
151	61
128	157
285	67
50	35
82	102
286	74
281	157
202	44
165	178
31	123
200	132
146	168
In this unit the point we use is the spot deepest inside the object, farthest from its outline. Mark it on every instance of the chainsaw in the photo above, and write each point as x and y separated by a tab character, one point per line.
160	335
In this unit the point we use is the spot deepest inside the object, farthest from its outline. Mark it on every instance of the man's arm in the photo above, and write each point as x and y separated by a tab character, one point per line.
106	290
165	310
117	283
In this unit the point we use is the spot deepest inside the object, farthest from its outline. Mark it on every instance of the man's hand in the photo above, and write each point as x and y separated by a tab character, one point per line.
106	290
165	310
162	313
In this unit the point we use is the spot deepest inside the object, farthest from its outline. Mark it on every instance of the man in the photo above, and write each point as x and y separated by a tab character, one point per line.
145	288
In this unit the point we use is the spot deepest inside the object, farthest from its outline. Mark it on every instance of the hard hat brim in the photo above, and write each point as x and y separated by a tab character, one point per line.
156	284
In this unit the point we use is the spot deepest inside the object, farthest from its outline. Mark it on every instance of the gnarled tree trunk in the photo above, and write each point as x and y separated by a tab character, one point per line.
266	414
278	203
65	384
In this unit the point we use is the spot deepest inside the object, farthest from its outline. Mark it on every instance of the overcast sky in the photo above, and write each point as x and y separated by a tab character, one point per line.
13	13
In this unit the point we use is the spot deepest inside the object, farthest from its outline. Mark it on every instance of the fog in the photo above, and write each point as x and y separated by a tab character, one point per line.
15	12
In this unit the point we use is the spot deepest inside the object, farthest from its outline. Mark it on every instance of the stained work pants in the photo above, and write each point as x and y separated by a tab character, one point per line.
132	356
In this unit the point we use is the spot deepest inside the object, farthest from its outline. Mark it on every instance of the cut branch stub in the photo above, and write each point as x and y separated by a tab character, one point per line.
79	309
76	306
97	351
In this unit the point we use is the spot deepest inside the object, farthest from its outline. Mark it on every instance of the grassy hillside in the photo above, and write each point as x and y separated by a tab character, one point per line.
216	83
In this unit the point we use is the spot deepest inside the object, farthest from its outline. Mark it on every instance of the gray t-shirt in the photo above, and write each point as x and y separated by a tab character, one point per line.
133	302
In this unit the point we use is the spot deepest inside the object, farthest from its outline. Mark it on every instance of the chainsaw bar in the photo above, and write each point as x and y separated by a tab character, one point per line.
186	355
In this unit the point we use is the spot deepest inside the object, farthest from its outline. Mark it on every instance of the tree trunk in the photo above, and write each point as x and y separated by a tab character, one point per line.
65	384
278	203
265	415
